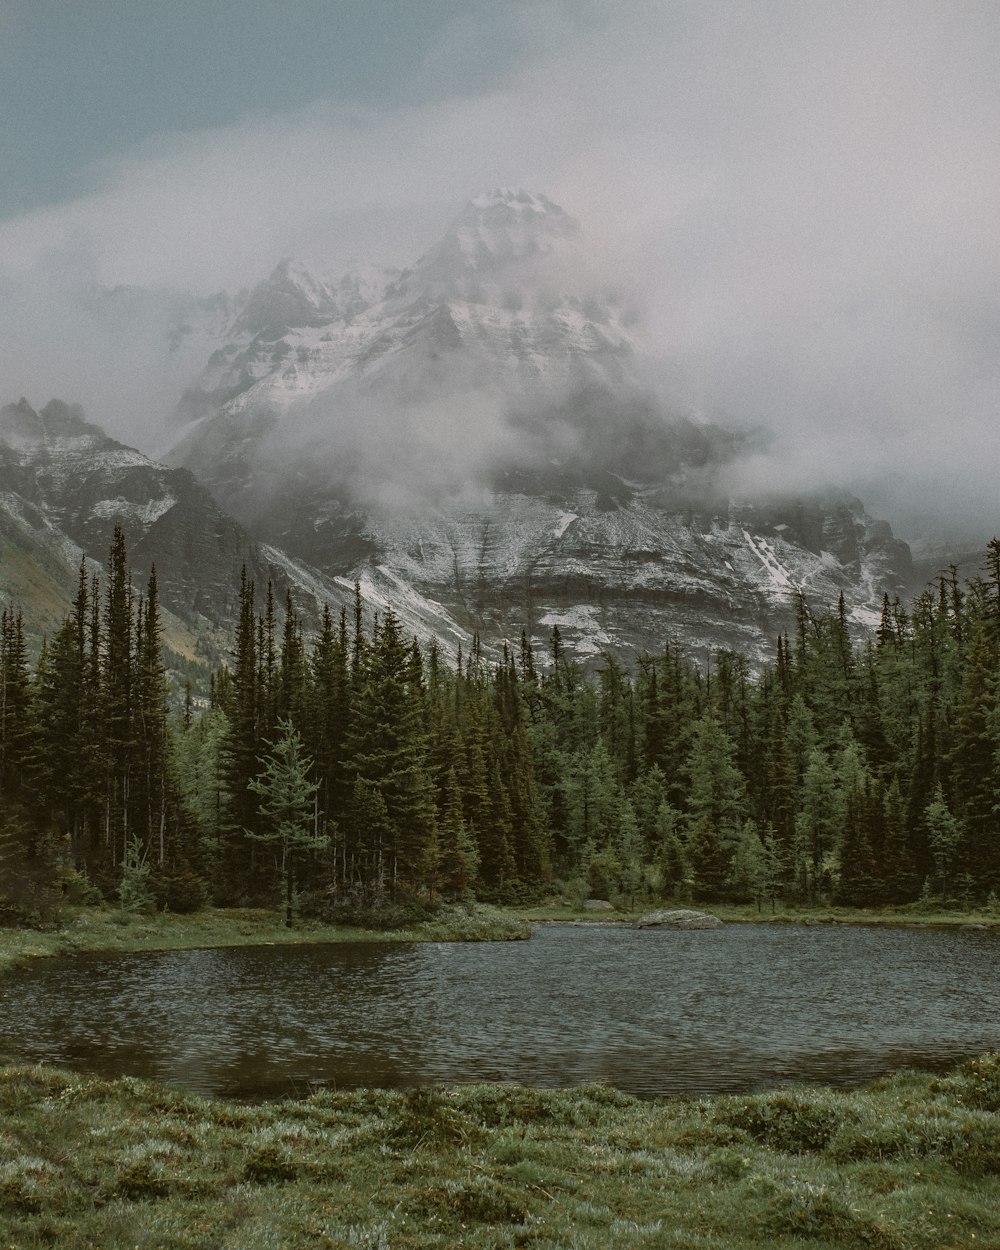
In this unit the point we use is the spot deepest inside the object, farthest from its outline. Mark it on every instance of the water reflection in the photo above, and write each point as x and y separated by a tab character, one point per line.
744	1007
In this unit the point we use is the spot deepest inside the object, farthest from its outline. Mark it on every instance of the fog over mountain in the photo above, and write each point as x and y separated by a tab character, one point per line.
795	204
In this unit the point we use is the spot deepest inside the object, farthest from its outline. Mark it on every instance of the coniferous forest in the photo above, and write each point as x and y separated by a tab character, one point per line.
352	772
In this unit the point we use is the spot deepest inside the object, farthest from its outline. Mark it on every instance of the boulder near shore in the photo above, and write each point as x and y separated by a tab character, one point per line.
679	919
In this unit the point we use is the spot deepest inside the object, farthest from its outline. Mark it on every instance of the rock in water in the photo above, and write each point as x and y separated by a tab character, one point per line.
679	919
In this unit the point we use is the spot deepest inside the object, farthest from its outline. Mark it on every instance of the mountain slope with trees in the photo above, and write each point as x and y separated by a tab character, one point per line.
353	769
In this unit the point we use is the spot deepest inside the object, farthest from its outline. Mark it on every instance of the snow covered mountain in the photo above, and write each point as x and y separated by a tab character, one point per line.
479	334
468	439
471	439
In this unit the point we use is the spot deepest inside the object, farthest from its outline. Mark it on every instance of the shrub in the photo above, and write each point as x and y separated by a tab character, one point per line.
870	1142
974	1084
179	890
427	1115
806	1210
368	907
783	1121
77	888
142	1178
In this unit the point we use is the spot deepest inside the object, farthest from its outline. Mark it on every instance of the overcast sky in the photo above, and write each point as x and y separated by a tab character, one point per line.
803	196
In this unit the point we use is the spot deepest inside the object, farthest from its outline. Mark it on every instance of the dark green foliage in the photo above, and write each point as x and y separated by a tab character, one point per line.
367	776
287	826
179	890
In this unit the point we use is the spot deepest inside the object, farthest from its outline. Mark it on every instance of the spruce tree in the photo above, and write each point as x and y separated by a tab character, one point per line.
390	749
459	859
286	809
117	699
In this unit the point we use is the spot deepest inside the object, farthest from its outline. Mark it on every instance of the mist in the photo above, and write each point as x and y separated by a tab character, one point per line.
801	200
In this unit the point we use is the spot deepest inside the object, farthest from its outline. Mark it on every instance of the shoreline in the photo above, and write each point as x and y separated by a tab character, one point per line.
95	930
91	930
734	914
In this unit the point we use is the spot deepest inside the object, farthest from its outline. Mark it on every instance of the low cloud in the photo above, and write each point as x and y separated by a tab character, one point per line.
803	200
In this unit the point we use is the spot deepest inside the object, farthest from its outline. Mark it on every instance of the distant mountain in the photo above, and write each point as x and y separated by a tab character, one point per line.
478	338
612	564
470	439
474	433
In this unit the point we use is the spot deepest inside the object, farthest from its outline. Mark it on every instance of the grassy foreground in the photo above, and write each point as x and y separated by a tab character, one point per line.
913	1163
106	929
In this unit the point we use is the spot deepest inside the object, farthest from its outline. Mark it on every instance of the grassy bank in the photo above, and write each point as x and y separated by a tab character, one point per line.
911	1163
105	929
910	914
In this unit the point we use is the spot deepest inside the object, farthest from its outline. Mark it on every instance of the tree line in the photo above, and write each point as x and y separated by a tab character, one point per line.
343	772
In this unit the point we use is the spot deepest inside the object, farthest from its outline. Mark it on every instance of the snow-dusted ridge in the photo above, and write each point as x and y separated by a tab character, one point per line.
609	526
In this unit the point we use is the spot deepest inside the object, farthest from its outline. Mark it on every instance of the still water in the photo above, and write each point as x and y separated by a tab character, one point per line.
652	1012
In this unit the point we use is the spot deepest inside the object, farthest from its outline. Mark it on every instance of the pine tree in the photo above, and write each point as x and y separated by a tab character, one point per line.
18	728
390	750
817	824
241	747
293	693
286	808
327	724
944	835
709	859
671	855
716	791
976	744
369	838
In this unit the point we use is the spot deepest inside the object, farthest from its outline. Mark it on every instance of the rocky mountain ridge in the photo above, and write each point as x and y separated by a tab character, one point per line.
617	571
65	485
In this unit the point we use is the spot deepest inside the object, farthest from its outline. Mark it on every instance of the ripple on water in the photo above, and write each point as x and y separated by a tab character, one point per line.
650	1011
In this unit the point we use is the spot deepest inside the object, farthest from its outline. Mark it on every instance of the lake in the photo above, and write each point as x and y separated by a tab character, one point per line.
650	1011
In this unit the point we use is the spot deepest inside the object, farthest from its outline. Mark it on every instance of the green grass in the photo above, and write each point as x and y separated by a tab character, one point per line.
106	929
909	1164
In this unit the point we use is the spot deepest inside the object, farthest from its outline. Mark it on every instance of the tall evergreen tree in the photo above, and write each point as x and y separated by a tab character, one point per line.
286	808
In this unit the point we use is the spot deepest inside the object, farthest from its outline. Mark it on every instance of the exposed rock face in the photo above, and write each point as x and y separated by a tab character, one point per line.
622	577
680	919
597	904
470	440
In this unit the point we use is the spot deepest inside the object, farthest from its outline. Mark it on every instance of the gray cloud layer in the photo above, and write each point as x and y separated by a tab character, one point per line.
803	197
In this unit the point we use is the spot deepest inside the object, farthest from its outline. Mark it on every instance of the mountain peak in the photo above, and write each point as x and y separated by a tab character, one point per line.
289	296
516	199
501	236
